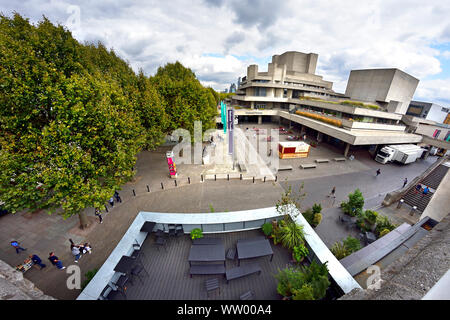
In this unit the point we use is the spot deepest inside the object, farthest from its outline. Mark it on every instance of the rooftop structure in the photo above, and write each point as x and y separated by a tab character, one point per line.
428	110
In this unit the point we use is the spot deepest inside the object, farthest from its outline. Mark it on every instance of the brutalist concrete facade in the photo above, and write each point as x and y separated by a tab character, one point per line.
392	88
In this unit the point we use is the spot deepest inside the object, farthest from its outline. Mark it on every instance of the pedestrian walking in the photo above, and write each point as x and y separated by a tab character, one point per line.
55	261
117	196
16	246
36	260
111	201
332	193
405	182
99	215
378	172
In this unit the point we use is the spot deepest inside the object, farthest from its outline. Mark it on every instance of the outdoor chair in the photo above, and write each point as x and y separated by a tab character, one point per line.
137	253
212	285
121	284
136	271
172	230
160	242
179	231
108	293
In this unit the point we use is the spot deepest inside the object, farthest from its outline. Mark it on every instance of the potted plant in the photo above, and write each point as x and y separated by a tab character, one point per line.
196	233
267	229
299	253
291	235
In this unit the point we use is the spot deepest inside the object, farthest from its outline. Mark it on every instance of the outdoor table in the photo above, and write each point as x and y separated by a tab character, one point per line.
371	237
207	253
253	248
204	241
148	226
125	264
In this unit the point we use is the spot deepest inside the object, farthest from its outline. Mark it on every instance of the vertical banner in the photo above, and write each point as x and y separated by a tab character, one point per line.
171	164
230	130
223	110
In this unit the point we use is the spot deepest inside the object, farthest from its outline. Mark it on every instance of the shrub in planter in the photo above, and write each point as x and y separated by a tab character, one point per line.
339	250
306	292
309	216
317	219
299	253
196	233
355	203
362	224
384	232
352	244
267	229
371	216
291	235
317	208
383	222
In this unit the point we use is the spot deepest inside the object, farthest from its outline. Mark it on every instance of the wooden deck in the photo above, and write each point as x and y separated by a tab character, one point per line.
169	272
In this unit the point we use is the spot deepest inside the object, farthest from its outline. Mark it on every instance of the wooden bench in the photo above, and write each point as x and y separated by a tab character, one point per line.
339	159
242	271
307	166
207	269
322	160
284	168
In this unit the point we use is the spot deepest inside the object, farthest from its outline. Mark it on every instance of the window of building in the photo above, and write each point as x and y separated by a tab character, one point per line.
260	92
260	106
436	133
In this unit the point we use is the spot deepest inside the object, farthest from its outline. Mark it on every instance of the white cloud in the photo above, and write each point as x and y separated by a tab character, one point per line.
346	34
437	90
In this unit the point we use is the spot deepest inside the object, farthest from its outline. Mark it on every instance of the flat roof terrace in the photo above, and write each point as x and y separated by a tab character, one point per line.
169	272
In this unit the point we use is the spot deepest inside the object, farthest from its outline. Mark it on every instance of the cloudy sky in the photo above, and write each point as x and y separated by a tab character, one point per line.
217	39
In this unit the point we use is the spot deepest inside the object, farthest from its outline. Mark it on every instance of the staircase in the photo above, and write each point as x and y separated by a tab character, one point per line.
435	177
417	199
432	180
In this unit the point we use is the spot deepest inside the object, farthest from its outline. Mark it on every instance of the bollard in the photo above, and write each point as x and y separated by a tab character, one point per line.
253	179
276	178
162	186
106	208
228	177
201	176
215	178
264	178
134	193
400	203
176	183
412	210
240	176
148	189
189	180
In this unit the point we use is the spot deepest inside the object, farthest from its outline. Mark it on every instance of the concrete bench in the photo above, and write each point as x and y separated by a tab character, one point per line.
207	269
308	166
339	159
242	271
322	160
242	167
284	168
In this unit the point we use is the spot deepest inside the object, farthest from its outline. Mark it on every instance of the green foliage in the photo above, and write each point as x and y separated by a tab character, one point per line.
74	116
317	208
352	244
384	232
317	219
89	276
297	283
211	208
339	250
196	233
309	216
355	203
290	202
370	216
383	222
300	252
291	235
267	228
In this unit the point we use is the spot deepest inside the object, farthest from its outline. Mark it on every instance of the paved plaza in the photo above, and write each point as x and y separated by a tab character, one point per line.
41	233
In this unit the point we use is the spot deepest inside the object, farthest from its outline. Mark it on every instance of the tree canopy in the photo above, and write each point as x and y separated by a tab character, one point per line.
73	116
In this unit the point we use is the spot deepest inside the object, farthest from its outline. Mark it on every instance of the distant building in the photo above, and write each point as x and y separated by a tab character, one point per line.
232	88
239	82
428	110
225	90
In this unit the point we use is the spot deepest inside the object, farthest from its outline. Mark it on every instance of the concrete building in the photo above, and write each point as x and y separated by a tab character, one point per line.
393	89
290	92
428	110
